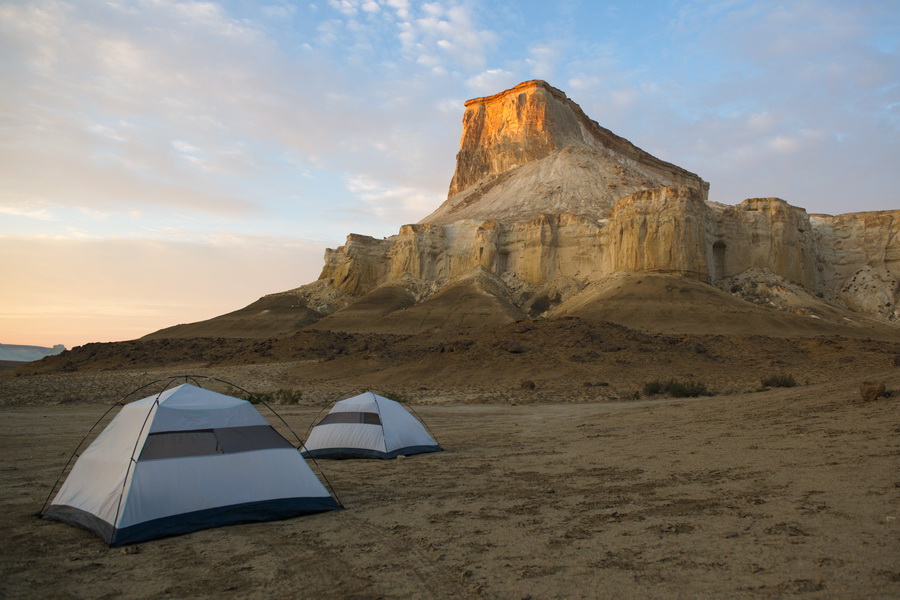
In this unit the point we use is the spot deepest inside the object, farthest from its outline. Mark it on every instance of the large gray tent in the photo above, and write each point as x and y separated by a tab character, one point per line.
369	426
183	460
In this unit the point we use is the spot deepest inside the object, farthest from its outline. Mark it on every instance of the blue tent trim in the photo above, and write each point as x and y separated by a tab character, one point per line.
250	512
342	453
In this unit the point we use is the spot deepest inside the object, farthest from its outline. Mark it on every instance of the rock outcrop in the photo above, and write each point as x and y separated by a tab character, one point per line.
530	150
546	207
859	260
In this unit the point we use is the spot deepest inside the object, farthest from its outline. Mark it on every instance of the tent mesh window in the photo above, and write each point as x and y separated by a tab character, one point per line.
367	418
202	442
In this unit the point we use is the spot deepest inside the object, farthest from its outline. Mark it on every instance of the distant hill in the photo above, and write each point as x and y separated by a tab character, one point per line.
16	353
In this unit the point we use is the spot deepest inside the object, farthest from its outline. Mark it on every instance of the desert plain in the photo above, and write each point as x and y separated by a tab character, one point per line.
560	476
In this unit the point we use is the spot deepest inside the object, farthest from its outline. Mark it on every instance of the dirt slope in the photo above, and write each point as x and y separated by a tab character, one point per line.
667	304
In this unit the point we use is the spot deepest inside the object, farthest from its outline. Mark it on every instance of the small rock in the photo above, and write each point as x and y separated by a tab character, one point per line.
528	385
511	347
871	391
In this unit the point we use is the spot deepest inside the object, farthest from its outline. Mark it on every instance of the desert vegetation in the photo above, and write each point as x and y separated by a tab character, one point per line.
676	389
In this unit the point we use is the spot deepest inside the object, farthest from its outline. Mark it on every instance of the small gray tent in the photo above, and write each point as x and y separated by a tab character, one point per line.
369	426
184	460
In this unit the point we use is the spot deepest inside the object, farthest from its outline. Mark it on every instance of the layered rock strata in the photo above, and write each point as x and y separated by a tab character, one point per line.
545	203
670	230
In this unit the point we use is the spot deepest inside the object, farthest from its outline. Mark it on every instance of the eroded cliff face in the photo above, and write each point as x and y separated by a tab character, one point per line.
766	233
859	258
530	150
357	266
669	230
545	202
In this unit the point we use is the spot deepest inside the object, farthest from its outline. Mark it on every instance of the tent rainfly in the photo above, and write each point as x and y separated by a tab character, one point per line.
184	460
368	426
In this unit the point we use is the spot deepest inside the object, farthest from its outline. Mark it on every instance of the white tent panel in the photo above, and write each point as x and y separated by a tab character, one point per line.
97	479
347	435
401	429
204	482
185	409
362	403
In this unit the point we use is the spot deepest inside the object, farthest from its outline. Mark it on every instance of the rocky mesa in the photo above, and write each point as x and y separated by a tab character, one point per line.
550	214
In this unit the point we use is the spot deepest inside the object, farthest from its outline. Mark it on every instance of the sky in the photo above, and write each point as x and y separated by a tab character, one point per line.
165	162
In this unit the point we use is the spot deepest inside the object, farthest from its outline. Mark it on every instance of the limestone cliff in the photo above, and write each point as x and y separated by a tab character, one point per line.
548	211
669	230
549	202
859	258
530	150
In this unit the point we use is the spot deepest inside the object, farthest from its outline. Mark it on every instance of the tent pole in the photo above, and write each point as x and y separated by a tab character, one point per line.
424	424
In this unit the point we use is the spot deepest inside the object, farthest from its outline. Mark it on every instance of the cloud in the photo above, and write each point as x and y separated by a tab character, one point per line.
389	203
95	97
346	7
281	11
444	35
544	58
180	106
29	209
490	82
400	6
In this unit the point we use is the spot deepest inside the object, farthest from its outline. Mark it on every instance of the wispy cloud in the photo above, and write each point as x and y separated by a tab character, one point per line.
490	82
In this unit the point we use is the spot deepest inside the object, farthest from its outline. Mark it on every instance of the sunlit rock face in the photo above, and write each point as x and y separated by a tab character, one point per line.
530	150
545	202
357	266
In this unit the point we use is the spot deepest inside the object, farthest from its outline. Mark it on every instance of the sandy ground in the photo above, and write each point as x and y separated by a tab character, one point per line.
778	493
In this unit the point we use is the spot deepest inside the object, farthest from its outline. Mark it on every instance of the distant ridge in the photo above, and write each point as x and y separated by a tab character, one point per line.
18	353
